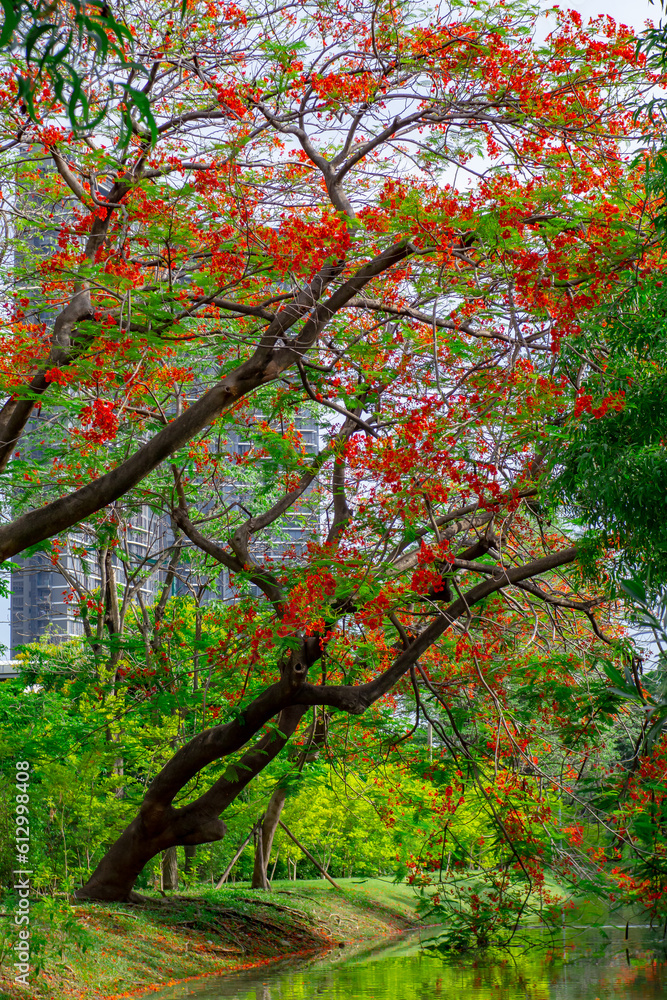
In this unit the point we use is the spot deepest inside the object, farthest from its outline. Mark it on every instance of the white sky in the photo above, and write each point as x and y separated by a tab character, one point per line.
631	12
634	13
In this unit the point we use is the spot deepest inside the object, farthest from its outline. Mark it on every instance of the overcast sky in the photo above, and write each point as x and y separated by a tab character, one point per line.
630	13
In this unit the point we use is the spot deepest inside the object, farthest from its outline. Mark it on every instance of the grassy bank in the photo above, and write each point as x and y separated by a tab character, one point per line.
105	951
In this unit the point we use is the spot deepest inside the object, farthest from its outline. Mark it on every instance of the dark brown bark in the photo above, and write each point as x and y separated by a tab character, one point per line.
15	414
152	832
221	741
190	852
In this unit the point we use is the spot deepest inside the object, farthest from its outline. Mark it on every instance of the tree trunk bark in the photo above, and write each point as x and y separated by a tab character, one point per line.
170	870
260	866
160	826
190	855
269	827
59	515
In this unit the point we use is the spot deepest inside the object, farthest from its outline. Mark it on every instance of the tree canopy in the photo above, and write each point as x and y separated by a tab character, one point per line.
388	222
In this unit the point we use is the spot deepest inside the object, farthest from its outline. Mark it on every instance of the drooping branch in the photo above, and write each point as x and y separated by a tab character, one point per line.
237	563
451	518
356	699
293	688
281	506
266	364
156	829
159	825
331	405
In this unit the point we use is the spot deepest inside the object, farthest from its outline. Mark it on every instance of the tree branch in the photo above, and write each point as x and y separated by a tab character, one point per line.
356	699
265	365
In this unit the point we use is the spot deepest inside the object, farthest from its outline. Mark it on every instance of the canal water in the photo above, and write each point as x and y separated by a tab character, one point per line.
581	963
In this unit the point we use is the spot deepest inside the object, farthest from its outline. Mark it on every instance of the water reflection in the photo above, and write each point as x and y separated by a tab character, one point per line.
586	964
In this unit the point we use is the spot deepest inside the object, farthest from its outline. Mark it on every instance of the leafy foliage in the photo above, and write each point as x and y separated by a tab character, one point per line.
614	466
51	43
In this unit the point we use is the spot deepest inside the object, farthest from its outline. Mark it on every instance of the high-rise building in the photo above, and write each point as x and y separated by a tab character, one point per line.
41	590
293	534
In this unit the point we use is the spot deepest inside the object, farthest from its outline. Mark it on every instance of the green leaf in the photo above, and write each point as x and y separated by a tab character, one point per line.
34	36
142	104
12	14
620	682
634	589
94	33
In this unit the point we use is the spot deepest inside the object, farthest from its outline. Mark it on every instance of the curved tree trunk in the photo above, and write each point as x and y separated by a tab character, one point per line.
266	835
159	825
160	828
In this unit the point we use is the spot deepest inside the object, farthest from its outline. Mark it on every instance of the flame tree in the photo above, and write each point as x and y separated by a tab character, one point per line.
389	219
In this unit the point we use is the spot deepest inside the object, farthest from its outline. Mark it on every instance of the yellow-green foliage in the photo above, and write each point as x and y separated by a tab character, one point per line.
384	824
342	822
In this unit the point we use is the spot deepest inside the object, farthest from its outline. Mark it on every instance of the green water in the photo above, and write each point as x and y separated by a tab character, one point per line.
580	964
